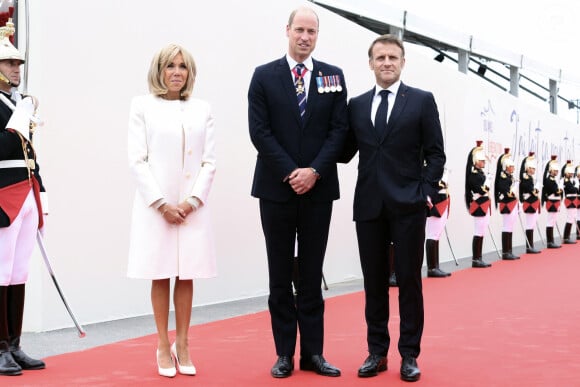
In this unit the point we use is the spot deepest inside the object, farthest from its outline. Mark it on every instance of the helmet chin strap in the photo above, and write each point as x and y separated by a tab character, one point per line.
4	78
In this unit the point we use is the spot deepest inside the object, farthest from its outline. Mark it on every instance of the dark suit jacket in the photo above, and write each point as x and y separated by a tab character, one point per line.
402	167
284	142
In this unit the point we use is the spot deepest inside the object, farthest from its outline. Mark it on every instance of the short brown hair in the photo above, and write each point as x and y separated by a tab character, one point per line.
160	62
387	38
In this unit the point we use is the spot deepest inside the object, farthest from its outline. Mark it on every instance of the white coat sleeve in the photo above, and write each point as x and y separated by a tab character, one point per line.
138	152
204	180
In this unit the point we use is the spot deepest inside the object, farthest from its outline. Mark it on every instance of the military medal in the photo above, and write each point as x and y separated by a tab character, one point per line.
319	83
338	86
332	84
299	87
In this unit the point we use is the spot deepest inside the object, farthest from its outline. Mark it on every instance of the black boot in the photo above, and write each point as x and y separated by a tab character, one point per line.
578	230
550	238
8	365
567	232
432	251
15	315
392	275
506	247
530	247
477	247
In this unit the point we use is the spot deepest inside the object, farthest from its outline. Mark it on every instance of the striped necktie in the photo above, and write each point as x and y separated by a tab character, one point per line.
300	70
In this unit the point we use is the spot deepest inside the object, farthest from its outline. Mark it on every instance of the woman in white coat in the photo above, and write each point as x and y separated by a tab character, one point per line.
171	156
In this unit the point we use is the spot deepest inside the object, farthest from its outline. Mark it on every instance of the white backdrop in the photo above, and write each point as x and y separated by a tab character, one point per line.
87	59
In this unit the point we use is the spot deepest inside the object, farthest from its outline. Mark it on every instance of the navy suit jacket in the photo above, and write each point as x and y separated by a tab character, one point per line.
284	141
404	165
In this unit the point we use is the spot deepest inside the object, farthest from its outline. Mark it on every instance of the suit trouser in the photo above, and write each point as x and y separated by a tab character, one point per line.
407	232
282	223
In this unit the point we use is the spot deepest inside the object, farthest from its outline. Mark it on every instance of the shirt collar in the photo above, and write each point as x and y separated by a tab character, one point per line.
394	88
307	63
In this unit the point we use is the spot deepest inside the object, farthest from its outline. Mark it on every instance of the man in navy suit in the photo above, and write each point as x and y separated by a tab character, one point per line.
298	123
401	161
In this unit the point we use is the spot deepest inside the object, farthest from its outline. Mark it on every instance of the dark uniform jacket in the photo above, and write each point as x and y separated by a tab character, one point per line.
504	196
11	148
531	205
476	186
551	194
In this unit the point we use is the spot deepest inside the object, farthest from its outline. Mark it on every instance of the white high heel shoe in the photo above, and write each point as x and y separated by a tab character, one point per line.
167	372
184	370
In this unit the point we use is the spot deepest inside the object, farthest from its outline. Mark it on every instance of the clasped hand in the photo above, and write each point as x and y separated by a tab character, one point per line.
302	180
176	214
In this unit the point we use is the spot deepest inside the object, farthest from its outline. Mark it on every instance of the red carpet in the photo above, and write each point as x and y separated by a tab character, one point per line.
515	324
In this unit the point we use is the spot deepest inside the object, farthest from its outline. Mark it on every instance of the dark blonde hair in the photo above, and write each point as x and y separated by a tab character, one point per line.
160	62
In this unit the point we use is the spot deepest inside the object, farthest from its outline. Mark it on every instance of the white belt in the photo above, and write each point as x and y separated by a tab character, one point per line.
12	164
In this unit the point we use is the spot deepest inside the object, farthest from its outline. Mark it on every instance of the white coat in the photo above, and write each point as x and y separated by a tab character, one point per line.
171	157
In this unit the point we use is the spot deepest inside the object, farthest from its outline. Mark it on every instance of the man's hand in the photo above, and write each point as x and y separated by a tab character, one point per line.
302	180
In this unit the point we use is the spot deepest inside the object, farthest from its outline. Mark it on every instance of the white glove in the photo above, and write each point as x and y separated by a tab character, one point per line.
487	182
20	119
44	203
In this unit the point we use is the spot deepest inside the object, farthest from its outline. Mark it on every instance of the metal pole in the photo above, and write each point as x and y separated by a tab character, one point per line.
493	240
528	244
60	293
450	247
540	234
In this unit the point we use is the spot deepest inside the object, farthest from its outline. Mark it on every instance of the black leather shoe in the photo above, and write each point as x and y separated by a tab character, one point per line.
410	370
372	366
437	273
509	256
479	263
8	365
531	250
283	367
319	365
26	362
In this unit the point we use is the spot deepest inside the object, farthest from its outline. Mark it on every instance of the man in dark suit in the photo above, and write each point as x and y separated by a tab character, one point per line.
298	123
397	132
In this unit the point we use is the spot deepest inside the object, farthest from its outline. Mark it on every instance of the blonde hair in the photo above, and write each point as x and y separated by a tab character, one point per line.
160	62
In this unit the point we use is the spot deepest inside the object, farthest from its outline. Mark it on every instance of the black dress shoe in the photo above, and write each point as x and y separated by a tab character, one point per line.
437	273
509	256
410	370
283	367
8	365
372	366
319	365
479	263
26	362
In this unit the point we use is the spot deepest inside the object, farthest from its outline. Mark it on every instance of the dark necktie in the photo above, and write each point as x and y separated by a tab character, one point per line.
381	116
300	89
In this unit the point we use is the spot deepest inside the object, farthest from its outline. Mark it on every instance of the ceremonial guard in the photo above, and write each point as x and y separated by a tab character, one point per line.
577	201
529	197
551	198
570	200
507	201
477	200
436	220
20	209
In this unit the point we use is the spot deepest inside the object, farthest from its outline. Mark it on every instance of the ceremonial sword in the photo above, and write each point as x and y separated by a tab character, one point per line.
40	241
